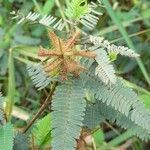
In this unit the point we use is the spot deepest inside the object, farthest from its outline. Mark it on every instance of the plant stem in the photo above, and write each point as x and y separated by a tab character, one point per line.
115	27
111	127
124	33
41	110
131	35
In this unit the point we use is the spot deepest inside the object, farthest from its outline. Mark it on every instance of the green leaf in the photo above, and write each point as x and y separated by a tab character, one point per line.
48	6
112	56
6	137
38	75
76	9
99	138
68	110
42	131
105	71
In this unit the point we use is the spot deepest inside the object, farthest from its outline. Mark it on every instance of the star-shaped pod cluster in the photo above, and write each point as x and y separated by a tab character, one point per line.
62	57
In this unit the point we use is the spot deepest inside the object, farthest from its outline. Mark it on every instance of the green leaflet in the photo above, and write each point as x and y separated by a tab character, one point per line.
68	110
42	131
6	137
104	70
112	56
76	9
39	78
81	12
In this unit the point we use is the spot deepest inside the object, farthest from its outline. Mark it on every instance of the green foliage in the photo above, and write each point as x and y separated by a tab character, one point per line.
104	70
76	9
39	77
102	112
105	95
99	137
41	131
48	6
121	99
68	110
112	56
6	137
49	21
21	142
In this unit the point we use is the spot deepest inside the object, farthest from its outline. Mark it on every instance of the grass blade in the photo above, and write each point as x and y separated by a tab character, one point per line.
126	37
11	86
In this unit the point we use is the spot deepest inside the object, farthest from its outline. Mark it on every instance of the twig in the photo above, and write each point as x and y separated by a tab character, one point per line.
49	97
111	127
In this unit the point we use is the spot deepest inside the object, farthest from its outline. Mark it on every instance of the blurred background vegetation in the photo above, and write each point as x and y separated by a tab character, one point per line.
23	40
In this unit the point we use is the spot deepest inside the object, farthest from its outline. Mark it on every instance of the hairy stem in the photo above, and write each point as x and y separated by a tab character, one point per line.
41	110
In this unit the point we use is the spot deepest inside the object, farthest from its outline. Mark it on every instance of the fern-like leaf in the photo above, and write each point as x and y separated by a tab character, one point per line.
38	75
92	116
81	12
121	99
68	110
6	137
42	131
47	20
91	18
104	70
99	41
98	112
76	9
